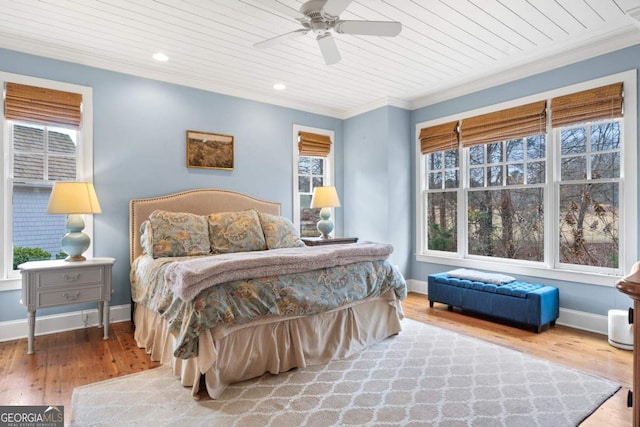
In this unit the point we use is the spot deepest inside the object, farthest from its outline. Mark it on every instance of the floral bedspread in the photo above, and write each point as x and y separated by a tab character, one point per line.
241	301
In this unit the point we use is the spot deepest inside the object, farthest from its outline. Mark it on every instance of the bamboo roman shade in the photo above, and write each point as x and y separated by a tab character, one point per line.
41	105
313	144
512	123
599	103
439	137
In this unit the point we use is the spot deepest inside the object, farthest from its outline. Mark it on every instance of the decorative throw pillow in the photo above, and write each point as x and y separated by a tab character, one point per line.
236	232
146	238
279	232
179	234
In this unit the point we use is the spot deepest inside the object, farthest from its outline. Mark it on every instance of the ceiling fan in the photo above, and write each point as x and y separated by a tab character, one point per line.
321	17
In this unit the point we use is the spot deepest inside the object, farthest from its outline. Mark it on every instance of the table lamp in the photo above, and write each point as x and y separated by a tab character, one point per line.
74	199
325	198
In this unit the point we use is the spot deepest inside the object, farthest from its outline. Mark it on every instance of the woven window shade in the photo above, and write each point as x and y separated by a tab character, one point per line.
512	123
439	137
599	103
313	144
41	105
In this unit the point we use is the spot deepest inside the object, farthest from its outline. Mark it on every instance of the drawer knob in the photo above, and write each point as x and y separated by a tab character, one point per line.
71	297
71	277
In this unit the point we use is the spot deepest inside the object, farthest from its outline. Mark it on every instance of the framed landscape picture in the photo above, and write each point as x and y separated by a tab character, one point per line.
209	150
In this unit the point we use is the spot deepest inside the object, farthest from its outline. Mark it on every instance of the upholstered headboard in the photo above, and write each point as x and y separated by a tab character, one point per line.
199	202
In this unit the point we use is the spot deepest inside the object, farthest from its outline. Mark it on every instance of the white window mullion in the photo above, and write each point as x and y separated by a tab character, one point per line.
551	196
463	208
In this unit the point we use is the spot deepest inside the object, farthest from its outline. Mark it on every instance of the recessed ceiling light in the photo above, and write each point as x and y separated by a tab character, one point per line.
279	86
160	57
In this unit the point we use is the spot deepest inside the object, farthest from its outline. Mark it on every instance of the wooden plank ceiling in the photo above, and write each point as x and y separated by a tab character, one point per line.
445	45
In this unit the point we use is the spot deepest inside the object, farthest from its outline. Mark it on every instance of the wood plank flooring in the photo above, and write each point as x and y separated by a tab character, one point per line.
70	359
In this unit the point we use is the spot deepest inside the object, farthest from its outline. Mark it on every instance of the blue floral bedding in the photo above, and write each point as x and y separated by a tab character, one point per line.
241	301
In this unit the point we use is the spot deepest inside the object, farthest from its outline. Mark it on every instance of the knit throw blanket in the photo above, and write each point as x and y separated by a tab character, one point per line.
190	277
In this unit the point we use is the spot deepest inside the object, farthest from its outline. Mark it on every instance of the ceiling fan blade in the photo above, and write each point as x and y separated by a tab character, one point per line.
281	38
369	28
329	49
334	8
277	6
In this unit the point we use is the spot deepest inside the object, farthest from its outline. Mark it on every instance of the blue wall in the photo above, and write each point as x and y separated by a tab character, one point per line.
139	137
377	178
575	296
139	151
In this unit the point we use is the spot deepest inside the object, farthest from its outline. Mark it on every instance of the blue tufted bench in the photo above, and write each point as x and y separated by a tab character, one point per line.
526	303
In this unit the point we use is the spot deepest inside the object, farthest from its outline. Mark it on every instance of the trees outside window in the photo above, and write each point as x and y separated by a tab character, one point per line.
589	195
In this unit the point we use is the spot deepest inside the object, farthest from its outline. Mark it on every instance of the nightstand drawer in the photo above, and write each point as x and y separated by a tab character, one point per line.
78	276
69	296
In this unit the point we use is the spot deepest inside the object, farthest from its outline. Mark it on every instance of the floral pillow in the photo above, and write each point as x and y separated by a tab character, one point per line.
178	234
279	232
236	232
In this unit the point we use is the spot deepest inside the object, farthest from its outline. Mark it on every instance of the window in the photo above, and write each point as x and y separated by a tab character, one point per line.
505	199
313	158
46	137
589	194
545	185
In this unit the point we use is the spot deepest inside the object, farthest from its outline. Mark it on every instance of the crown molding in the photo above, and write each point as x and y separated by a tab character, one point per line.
534	64
384	102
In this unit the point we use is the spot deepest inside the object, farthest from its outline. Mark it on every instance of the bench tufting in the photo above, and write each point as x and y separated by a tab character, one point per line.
522	302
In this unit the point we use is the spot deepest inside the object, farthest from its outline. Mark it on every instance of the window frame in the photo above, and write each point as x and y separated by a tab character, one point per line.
10	279
328	176
548	268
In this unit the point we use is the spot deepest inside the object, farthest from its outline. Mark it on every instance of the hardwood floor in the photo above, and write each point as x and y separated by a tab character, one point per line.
70	359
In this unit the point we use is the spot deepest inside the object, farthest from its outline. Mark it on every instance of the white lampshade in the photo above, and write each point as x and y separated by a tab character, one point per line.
73	198
325	197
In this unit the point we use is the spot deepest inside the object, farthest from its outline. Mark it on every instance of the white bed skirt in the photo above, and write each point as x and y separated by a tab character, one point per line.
229	355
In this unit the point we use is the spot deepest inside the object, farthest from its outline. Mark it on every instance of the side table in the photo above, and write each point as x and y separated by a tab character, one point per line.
58	282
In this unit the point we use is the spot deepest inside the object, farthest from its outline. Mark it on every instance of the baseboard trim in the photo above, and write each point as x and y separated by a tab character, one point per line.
572	318
17	329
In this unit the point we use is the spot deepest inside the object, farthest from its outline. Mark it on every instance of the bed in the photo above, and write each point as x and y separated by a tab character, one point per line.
186	316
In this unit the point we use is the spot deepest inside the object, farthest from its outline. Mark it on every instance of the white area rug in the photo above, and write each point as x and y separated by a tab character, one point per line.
425	376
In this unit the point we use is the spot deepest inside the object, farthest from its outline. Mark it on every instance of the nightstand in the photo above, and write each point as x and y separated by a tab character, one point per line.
316	241
59	282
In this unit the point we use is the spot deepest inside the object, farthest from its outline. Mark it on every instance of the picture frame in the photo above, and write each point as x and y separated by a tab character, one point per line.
209	150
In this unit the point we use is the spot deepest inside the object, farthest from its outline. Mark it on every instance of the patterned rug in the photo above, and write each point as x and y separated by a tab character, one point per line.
425	376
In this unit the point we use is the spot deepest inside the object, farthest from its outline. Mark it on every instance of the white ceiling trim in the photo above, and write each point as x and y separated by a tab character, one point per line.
610	42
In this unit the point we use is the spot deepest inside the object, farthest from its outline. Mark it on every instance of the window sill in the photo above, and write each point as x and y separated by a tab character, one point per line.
525	270
11	284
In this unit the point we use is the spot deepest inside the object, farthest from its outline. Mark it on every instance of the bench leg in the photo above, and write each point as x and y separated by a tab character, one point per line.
450	307
431	304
